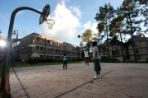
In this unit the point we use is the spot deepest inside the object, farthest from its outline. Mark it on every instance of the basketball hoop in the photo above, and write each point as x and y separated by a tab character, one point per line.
45	14
50	23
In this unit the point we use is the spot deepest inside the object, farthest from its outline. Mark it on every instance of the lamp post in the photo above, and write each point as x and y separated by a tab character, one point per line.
5	83
45	49
15	32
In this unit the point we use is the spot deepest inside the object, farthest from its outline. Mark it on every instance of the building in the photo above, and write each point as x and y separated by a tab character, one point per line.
36	46
141	49
126	52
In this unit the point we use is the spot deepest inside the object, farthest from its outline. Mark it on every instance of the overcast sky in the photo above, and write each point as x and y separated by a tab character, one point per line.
72	17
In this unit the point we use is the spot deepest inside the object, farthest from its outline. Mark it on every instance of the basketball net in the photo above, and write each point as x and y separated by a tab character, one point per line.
50	23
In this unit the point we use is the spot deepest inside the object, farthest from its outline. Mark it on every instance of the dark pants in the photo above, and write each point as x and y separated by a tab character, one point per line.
97	66
87	61
64	64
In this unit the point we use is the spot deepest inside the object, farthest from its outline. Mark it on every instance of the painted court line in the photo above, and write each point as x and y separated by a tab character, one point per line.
81	85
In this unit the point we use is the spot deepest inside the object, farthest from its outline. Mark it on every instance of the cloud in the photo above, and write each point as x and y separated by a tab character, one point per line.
66	23
92	26
76	11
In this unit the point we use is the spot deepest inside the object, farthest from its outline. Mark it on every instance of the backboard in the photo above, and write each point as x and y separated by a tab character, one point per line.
45	13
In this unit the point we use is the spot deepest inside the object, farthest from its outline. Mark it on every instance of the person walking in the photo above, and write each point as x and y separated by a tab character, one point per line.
65	62
96	59
86	57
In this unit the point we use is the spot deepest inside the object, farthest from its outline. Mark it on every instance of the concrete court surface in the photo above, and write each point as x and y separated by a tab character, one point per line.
118	80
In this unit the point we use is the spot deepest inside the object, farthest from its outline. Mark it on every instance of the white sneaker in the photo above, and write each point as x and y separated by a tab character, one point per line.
98	76
95	77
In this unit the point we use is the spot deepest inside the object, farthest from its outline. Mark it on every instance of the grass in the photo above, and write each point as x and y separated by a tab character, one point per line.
43	64
37	64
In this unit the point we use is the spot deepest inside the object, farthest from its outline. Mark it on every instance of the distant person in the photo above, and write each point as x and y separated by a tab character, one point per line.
96	59
65	62
86	57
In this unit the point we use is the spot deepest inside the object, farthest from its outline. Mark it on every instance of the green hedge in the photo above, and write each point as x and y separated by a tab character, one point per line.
107	59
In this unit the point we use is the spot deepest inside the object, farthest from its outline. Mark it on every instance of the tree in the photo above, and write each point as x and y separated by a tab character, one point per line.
143	1
115	28
128	20
130	11
103	17
87	36
144	13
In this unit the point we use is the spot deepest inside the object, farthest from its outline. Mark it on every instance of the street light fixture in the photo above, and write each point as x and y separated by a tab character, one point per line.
15	32
5	83
3	43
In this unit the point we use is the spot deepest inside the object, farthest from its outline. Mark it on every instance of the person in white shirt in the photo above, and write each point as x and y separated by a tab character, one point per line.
96	59
86	55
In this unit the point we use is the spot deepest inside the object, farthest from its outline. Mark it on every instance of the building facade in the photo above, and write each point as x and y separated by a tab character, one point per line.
35	46
126	52
141	49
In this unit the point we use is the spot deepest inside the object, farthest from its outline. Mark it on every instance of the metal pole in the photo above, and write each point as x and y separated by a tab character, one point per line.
5	83
16	37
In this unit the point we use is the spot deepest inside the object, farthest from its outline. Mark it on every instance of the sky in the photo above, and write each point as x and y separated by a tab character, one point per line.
72	17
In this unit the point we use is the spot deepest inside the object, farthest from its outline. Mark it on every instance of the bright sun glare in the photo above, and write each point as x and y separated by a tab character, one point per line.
3	43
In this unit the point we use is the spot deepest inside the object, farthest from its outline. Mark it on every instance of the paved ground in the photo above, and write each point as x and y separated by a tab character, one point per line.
118	81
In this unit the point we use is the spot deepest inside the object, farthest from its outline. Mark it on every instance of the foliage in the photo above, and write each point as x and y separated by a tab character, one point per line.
124	20
130	11
103	17
115	26
143	1
87	36
144	12
129	19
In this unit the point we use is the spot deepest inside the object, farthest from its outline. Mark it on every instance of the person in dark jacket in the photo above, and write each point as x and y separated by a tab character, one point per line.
65	62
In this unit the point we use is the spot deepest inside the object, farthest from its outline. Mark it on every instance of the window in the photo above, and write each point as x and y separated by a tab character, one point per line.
115	52
41	56
48	41
48	50
38	38
41	48
51	50
137	51
138	57
33	40
37	47
51	42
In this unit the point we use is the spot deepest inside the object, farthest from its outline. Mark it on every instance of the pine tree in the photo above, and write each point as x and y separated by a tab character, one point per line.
130	11
103	17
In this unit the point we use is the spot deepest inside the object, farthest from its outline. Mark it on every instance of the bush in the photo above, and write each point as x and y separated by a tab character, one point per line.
107	59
